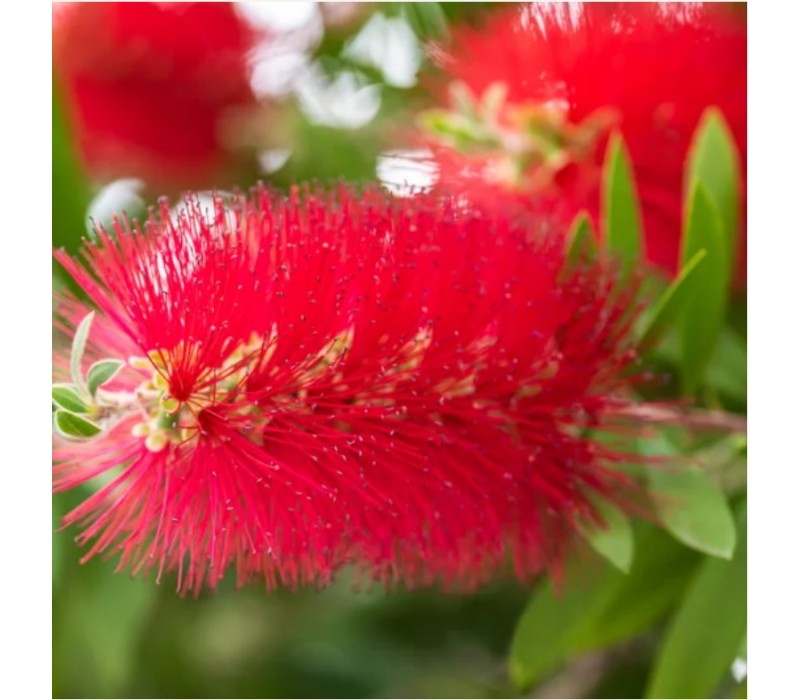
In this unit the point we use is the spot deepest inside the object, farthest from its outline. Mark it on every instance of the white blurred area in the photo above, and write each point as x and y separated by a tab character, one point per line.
283	67
389	45
122	195
406	172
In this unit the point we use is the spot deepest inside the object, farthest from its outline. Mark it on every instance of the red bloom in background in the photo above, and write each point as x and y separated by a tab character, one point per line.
329	379
148	85
572	74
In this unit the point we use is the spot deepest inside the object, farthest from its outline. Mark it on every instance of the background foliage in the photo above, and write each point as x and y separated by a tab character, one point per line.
648	610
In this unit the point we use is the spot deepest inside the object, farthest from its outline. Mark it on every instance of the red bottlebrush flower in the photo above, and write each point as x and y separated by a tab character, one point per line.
559	79
332	379
148	86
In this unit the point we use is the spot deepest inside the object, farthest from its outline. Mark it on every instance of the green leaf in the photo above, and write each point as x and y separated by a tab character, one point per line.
672	302
706	633
426	19
690	505
66	396
727	373
659	575
622	219
541	640
714	162
615	540
101	372
703	319
71	191
70	425
78	348
581	241
599	606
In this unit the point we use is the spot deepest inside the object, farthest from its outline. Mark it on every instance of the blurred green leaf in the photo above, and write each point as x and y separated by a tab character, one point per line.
714	163
690	505
541	640
615	540
427	19
704	636
659	575
70	190
101	372
727	373
704	318
67	397
71	425
601	606
103	619
672	302
581	242
622	217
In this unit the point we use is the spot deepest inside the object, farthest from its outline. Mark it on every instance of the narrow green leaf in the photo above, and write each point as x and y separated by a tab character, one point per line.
599	606
727	373
703	319
705	635
78	348
66	396
672	302
714	162
71	191
101	372
70	425
622	219
581	241
615	540
426	19
690	505
660	572
542	638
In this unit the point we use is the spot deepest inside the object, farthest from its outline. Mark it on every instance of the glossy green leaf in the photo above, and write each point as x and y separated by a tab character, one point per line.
622	217
581	242
599	605
70	425
66	396
704	317
614	541
541	640
101	372
714	162
706	633
658	577
672	302
689	504
78	348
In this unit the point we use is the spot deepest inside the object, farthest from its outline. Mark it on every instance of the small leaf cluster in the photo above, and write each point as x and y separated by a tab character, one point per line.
76	409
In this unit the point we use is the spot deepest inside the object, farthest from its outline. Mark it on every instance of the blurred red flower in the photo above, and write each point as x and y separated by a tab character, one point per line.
327	379
567	75
148	85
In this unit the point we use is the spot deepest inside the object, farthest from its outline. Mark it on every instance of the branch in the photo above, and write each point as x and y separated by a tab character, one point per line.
694	418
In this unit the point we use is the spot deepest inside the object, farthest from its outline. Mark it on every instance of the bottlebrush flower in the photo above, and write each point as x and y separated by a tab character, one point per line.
148	86
538	89
340	378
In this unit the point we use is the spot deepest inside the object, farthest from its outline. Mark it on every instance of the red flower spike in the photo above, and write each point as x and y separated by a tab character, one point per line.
339	378
553	81
147	86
